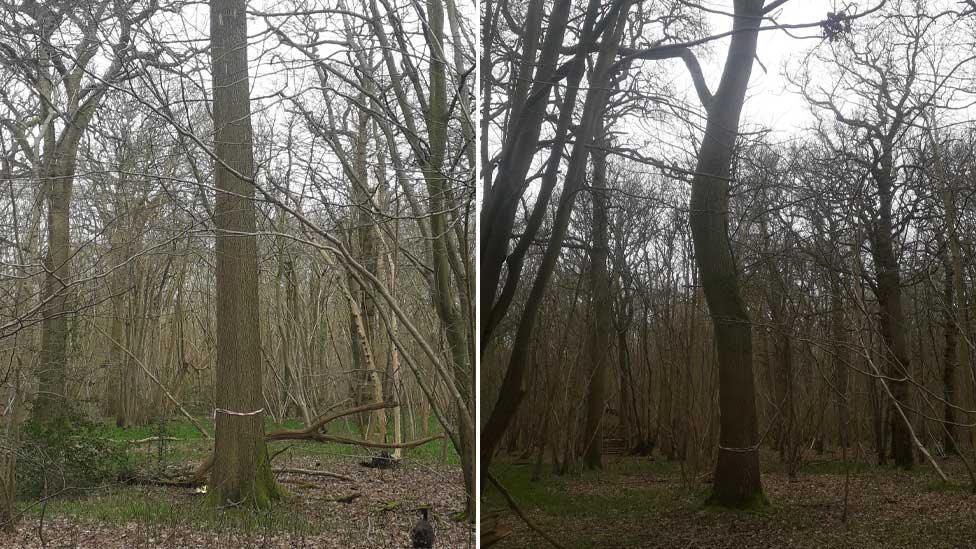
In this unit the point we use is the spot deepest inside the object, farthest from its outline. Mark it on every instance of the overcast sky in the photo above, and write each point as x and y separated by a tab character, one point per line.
769	101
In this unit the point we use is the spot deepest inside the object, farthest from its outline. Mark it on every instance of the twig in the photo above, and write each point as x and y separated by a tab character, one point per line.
314	473
514	506
145	440
279	452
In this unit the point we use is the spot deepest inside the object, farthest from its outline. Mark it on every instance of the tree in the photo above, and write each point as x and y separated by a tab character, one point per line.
736	482
241	468
894	92
601	314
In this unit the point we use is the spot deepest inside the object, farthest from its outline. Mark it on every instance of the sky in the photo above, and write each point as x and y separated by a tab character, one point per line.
769	101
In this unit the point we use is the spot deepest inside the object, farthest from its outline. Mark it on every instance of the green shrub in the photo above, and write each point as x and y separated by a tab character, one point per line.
67	457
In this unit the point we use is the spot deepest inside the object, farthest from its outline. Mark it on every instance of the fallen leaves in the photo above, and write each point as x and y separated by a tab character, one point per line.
886	508
367	520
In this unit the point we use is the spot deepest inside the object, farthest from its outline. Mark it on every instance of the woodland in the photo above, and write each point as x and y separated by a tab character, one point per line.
237	273
703	328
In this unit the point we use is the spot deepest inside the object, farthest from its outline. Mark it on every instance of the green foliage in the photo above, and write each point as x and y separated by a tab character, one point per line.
66	457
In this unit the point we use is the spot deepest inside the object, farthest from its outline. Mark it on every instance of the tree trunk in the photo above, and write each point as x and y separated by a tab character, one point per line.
957	316
51	405
446	294
115	388
9	442
736	482
950	360
840	357
892	316
370	388
241	470
600	311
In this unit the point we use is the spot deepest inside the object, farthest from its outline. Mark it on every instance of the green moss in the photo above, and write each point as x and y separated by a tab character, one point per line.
258	492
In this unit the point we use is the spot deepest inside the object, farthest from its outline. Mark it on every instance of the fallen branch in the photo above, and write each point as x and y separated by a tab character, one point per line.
368	444
149	481
514	506
315	432
147	440
314	473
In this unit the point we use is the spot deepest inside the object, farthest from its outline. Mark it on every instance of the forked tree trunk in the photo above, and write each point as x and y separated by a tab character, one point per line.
736	482
241	469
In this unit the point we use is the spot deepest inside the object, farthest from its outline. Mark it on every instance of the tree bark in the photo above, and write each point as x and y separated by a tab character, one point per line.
950	359
840	358
241	468
600	311
892	316
51	405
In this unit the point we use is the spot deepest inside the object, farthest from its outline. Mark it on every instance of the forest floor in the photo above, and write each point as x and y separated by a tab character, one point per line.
117	515
644	502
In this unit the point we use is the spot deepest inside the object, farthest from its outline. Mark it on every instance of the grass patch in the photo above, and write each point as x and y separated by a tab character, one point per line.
942	487
592	494
124	505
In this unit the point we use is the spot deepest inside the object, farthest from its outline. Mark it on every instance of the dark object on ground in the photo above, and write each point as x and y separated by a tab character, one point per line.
348	498
643	448
422	534
382	461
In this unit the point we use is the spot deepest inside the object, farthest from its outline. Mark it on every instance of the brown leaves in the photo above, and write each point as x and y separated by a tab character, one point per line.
887	508
332	512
